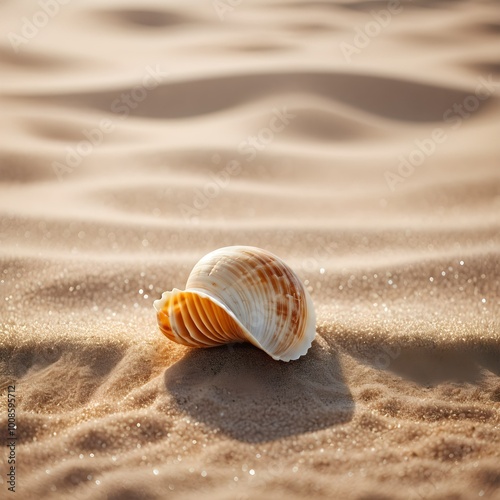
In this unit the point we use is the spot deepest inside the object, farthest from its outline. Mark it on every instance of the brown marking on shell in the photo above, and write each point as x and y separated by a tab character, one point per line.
282	307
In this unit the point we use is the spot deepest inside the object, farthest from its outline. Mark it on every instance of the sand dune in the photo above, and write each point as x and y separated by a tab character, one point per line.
358	140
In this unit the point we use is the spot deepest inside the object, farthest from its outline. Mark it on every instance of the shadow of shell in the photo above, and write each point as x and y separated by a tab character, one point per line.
241	392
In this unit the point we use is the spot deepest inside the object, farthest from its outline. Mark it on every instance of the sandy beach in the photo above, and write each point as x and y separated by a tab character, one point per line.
357	140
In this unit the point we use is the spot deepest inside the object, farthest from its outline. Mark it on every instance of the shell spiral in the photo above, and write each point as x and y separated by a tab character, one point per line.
241	294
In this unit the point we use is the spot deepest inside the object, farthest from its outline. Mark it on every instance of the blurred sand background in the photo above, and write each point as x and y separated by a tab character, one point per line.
357	140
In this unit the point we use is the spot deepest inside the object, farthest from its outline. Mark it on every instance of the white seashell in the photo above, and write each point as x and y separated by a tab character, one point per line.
241	294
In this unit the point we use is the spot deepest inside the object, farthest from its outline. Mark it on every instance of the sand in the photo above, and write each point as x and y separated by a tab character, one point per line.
356	140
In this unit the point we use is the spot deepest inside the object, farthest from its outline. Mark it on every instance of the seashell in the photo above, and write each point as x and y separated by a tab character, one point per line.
241	294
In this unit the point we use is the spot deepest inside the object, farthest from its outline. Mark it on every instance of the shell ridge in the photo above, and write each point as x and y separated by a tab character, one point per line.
202	309
189	316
